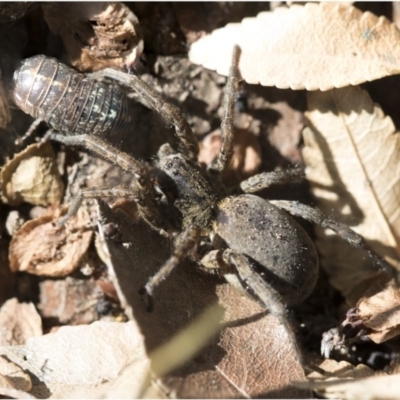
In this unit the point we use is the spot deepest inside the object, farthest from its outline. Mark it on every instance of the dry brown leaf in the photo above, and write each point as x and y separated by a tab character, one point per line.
97	35
18	323
14	376
80	361
316	46
171	355
32	176
258	359
381	313
69	301
42	248
351	153
251	357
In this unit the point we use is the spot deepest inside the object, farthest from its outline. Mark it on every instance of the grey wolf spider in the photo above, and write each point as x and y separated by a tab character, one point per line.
254	243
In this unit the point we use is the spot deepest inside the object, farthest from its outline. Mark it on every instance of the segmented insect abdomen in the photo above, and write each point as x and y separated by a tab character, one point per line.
68	101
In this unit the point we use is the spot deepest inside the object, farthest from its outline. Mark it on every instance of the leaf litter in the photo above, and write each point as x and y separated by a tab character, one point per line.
250	355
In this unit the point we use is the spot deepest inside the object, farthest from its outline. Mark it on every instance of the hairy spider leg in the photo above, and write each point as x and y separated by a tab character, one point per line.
168	111
232	88
142	192
184	243
319	218
267	179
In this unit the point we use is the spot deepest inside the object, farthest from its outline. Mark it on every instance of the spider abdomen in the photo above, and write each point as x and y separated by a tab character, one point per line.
281	251
68	101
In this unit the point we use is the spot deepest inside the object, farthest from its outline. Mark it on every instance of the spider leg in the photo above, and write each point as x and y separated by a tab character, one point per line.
168	111
267	179
228	261
231	90
317	217
142	192
184	243
105	150
101	192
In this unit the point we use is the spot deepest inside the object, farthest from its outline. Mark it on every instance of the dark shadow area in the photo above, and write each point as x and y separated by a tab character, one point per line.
386	92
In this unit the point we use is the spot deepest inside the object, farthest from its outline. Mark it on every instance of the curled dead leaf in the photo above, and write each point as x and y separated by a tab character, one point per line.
18	323
42	248
32	176
96	35
381	313
315	46
351	152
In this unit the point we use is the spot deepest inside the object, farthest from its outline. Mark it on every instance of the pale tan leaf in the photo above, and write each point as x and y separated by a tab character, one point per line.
373	388
80	361
339	370
351	152
381	313
18	323
32	176
316	46
334	370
